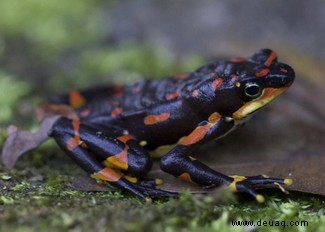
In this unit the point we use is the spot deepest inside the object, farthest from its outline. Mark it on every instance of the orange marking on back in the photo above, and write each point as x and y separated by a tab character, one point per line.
262	73
238	60
216	83
182	76
172	96
186	176
107	174
125	138
85	113
154	119
197	135
118	89
195	93
76	100
270	59
116	111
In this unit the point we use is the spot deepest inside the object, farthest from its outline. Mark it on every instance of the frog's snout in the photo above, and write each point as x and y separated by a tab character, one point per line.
288	74
281	75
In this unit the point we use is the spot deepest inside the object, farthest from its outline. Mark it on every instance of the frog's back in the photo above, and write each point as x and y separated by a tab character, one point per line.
141	96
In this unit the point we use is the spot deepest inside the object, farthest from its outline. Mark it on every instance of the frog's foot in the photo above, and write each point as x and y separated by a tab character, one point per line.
153	183
145	189
248	184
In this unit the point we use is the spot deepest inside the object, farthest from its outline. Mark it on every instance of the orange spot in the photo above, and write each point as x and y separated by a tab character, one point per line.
214	117
76	99
197	135
107	174
186	176
76	125
116	111
182	76
85	113
172	96
154	119
120	160
216	83
283	70
233	76
238	60
195	93
118	89
262	73
270	59
125	138
75	141
72	144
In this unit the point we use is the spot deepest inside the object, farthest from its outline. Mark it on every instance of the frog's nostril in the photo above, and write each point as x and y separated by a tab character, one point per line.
287	74
282	75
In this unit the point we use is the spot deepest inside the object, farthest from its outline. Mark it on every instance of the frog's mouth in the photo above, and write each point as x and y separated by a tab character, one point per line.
268	95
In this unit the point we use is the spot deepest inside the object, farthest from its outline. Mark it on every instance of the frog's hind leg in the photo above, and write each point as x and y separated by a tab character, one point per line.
87	147
76	99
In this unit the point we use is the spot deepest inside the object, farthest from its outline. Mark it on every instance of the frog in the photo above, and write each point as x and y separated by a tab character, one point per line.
116	128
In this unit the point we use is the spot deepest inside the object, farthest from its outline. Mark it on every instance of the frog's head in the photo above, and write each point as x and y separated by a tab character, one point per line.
261	80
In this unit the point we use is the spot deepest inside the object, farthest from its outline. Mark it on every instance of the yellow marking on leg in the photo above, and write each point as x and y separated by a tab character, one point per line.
119	161
161	150
288	181
131	179
232	186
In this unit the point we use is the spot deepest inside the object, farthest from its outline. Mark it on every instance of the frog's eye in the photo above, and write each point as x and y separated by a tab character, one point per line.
253	90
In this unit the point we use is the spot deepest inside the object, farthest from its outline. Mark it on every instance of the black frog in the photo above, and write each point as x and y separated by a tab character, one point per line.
115	129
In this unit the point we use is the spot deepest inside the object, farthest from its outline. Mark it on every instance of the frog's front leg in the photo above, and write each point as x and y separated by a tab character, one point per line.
179	163
106	155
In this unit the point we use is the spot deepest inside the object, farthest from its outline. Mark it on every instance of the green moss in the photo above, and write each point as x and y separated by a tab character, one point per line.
62	40
47	23
10	92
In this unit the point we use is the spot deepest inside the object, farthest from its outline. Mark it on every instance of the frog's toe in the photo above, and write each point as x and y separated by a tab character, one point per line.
151	192
264	179
248	184
153	183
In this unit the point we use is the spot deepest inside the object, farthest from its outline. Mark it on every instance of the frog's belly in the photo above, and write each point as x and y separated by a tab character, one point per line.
161	150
